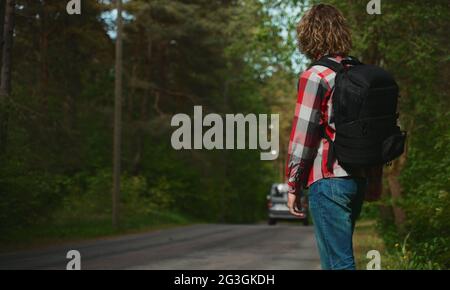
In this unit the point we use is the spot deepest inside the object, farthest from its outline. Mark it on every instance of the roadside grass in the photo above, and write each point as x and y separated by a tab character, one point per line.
366	238
72	230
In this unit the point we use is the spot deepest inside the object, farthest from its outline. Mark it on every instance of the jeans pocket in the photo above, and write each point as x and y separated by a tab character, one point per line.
343	190
315	194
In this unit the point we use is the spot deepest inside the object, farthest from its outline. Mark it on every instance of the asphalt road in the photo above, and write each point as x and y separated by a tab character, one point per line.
196	247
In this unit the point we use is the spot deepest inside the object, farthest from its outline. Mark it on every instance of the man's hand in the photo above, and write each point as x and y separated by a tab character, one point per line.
293	209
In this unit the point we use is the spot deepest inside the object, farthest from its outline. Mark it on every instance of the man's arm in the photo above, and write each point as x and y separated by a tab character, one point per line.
306	130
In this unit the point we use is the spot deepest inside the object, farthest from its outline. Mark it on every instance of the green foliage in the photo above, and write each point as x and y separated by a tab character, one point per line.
90	194
28	199
56	174
403	258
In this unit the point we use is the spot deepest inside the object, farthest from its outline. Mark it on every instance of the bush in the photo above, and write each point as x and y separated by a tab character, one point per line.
28	199
90	196
404	258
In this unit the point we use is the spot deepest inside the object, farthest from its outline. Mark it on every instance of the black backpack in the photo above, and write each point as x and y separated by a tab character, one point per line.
365	115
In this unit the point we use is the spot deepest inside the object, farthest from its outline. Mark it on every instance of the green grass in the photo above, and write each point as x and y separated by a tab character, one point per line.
63	231
367	238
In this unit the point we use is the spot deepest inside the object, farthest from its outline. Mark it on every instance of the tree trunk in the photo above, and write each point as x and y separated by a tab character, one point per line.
394	184
43	55
2	21
117	119
396	191
5	82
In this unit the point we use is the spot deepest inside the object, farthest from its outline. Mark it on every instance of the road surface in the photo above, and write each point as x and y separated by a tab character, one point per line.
195	247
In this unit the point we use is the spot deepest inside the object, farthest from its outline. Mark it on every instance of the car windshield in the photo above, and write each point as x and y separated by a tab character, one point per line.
279	189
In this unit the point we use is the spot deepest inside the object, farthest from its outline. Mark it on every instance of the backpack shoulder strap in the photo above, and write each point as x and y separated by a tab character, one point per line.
336	66
331	64
326	62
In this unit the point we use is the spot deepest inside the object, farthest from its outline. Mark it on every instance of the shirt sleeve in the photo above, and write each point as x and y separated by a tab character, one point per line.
306	130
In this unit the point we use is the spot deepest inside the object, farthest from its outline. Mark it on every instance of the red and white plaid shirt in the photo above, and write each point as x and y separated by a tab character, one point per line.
308	151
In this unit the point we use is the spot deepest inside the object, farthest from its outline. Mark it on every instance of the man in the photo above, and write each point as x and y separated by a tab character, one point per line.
335	196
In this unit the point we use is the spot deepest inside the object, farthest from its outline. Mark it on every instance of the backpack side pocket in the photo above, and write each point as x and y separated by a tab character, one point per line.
393	146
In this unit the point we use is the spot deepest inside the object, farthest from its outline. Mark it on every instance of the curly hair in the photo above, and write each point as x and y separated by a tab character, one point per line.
323	30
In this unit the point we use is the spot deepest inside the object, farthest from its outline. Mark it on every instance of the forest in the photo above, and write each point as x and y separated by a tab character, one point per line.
230	57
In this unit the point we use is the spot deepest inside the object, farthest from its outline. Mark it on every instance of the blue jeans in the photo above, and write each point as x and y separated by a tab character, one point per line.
335	204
